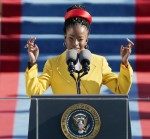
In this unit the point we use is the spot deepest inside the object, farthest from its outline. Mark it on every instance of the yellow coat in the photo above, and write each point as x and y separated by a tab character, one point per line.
56	75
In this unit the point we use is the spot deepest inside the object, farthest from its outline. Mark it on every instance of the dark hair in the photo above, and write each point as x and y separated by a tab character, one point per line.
76	20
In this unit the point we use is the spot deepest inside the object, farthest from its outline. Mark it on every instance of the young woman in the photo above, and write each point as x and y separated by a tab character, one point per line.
55	72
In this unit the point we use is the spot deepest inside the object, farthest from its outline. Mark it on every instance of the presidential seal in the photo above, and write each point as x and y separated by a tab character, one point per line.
80	121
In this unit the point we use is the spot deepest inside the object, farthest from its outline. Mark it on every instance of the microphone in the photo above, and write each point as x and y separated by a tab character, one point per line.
85	60
71	60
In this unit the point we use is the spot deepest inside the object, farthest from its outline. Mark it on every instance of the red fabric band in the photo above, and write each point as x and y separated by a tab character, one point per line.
79	13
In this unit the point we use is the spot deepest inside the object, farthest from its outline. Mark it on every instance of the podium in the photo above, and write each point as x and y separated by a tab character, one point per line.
46	112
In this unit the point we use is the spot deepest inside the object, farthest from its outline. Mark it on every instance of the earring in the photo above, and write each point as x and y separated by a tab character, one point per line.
64	44
86	46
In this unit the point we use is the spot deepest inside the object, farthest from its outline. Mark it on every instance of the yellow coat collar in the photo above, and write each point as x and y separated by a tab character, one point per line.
62	69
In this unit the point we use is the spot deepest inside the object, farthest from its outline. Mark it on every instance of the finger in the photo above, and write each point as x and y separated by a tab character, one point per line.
127	51
126	48
122	48
36	47
31	47
33	40
30	39
26	46
130	43
32	50
29	43
37	51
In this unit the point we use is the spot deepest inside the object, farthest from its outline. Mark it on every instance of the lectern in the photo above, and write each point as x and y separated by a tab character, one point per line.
79	117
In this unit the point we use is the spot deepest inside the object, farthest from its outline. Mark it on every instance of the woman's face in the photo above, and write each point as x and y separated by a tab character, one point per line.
76	37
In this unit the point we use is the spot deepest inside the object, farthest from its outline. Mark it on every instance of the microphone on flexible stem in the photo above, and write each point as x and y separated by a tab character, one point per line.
85	60
71	60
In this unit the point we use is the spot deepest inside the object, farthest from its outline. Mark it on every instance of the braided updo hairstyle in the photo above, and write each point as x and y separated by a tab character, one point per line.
76	20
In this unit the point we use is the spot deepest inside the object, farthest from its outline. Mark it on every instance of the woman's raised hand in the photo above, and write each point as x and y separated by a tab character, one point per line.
125	52
33	50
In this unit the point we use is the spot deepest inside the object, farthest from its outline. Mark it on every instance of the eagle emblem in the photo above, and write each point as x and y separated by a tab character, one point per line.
80	120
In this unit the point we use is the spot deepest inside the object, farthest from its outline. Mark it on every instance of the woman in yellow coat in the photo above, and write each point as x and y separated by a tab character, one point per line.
55	72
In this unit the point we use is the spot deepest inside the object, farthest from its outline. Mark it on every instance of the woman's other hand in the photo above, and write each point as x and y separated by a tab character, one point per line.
125	52
33	50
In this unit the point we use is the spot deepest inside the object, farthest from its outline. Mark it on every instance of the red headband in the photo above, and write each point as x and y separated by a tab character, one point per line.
79	13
